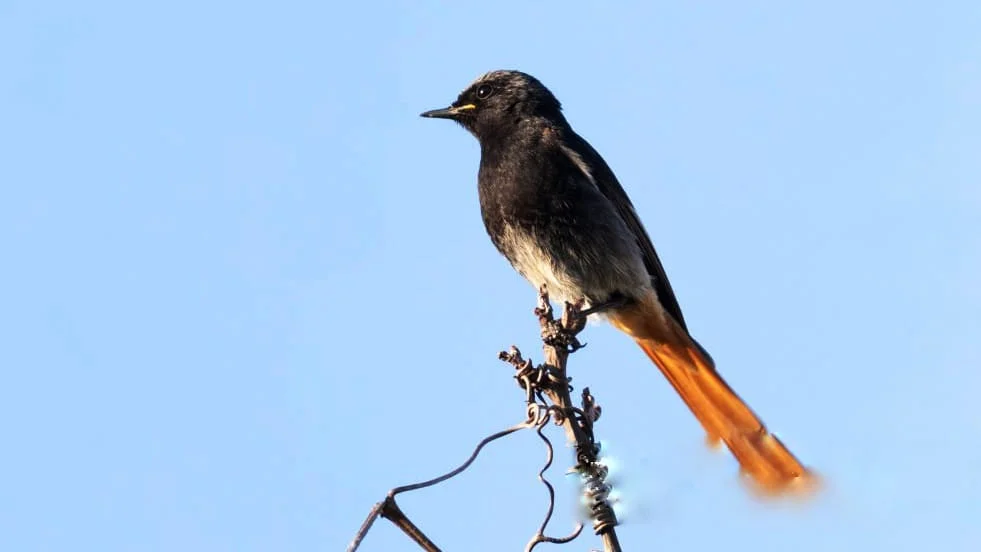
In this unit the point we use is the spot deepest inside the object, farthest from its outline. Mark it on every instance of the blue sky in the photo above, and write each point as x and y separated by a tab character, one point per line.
247	289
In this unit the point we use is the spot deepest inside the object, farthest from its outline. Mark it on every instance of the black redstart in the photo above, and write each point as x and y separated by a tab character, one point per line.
554	208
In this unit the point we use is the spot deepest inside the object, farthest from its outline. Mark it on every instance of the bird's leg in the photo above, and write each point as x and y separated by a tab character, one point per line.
614	301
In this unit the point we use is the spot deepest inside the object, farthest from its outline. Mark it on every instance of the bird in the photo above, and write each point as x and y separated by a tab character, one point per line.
555	210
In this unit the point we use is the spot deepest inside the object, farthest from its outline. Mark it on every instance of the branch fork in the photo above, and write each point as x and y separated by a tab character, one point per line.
543	384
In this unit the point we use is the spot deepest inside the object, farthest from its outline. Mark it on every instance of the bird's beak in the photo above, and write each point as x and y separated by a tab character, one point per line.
452	112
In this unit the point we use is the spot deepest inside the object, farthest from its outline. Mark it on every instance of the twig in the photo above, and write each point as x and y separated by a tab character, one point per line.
391	511
388	509
542	384
559	341
465	465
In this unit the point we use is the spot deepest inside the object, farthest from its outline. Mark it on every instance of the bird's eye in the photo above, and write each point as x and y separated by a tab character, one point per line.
484	91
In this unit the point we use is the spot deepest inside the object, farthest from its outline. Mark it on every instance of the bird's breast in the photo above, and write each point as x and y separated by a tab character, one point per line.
554	226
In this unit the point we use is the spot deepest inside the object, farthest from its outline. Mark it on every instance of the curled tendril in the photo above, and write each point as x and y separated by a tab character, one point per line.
539	536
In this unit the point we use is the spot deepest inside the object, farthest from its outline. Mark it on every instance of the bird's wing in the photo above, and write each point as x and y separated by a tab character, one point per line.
599	173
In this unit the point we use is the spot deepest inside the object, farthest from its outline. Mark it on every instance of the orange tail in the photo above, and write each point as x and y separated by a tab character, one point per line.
721	412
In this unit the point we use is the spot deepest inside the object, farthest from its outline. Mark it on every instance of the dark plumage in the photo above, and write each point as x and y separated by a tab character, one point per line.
556	211
550	203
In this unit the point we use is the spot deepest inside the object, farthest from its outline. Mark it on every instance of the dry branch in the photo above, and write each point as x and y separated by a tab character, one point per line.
558	342
547	397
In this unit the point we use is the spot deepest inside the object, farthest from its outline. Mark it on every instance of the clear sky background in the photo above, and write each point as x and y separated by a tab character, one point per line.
246	289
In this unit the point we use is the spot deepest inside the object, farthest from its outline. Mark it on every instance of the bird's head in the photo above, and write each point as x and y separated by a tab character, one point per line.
498	101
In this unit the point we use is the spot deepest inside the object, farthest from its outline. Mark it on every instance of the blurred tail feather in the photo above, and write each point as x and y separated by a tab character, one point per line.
689	369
